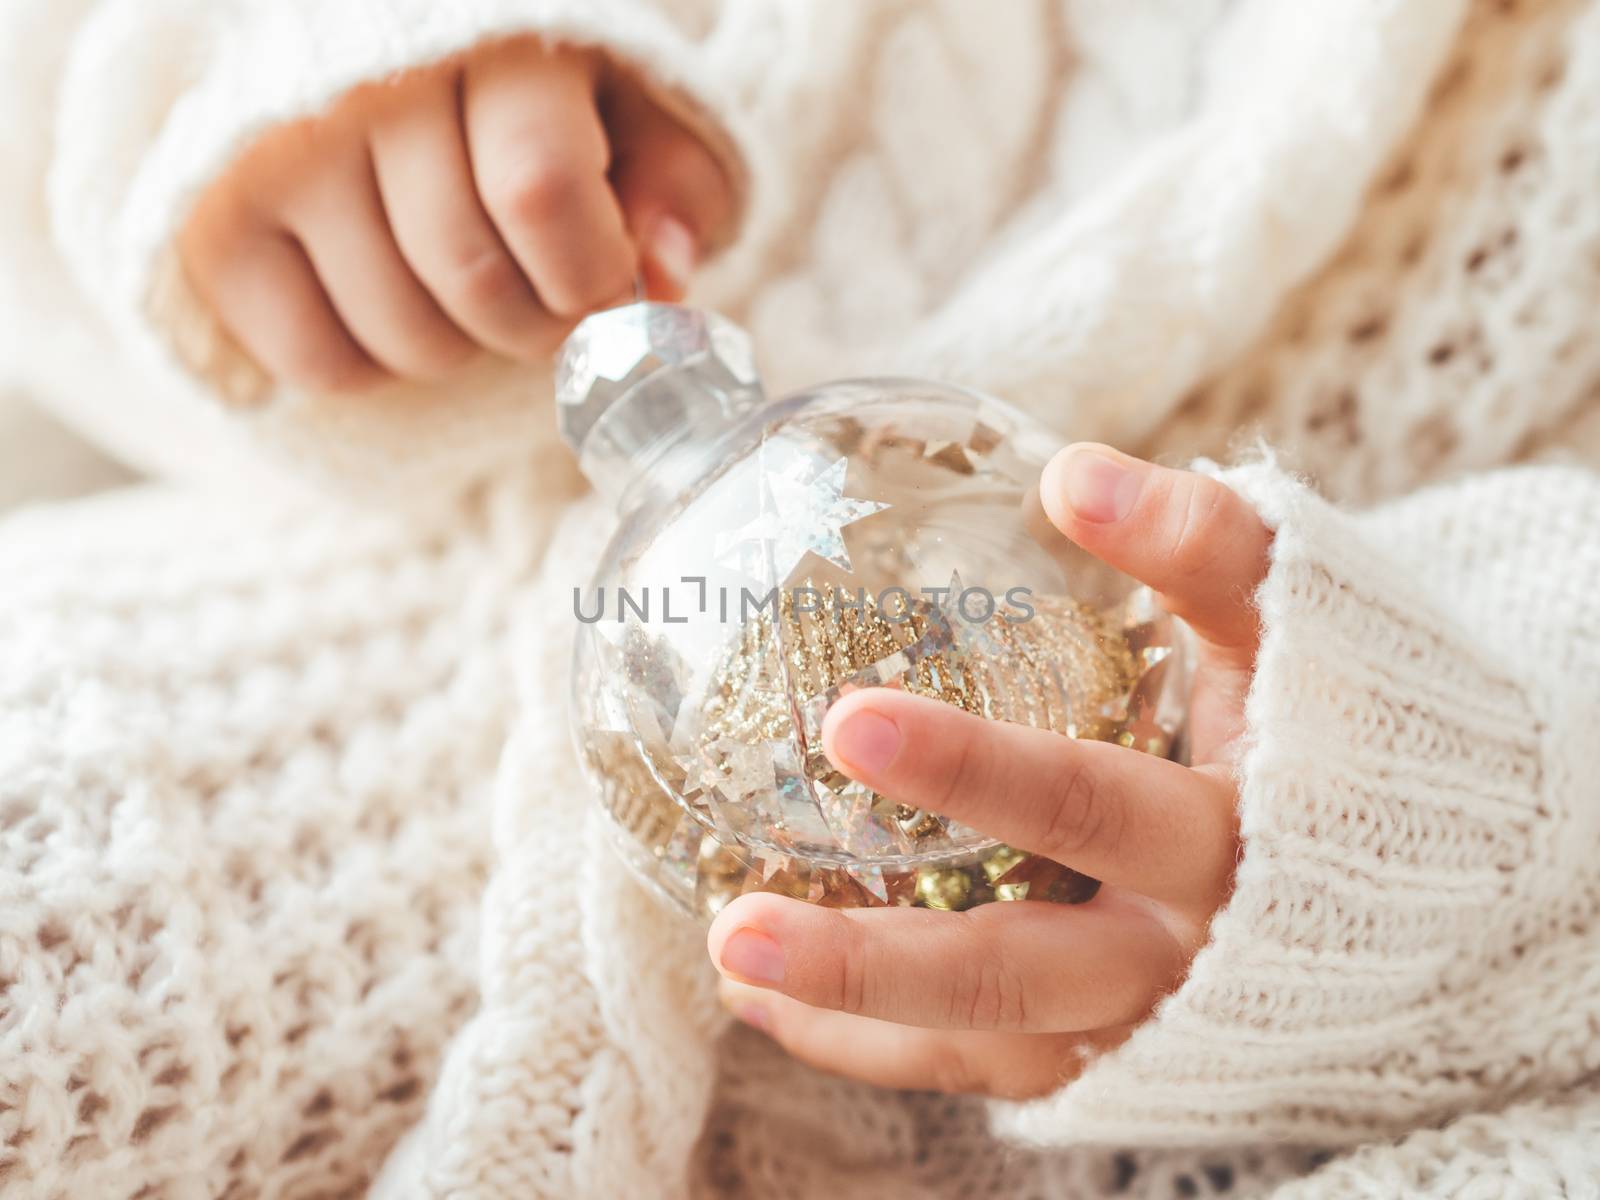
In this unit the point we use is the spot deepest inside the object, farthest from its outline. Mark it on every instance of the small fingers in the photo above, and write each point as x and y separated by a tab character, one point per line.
1128	818
257	279
337	214
425	176
1011	1066
540	155
1017	967
677	199
1192	539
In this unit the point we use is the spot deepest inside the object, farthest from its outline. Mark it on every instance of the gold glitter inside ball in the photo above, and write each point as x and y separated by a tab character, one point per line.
1064	668
1068	669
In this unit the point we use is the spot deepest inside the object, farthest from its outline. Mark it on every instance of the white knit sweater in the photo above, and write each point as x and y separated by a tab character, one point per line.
298	889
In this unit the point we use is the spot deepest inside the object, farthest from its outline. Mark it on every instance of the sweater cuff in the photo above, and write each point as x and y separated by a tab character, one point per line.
1392	953
140	151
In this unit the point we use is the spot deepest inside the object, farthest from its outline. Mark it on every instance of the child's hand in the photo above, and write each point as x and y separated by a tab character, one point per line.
1002	999
482	204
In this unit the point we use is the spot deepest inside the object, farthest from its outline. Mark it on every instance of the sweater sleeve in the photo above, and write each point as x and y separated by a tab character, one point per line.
1411	932
1535	1149
132	106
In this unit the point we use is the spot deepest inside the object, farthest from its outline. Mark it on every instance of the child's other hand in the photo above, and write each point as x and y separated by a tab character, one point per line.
484	204
1003	999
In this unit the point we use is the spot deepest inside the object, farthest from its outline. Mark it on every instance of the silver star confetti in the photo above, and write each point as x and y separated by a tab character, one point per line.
799	515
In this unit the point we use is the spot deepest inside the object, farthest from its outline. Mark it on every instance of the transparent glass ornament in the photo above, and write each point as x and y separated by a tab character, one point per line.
774	554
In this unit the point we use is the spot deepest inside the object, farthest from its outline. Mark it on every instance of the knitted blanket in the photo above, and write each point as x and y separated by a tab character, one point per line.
300	888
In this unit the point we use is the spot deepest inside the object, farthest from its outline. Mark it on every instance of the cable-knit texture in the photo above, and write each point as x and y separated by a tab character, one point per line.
1416	901
301	895
1452	332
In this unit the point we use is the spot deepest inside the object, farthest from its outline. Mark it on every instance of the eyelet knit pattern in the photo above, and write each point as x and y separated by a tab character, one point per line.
301	892
1451	331
230	956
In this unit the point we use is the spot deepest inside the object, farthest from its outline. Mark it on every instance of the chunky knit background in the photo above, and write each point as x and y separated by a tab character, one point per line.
298	894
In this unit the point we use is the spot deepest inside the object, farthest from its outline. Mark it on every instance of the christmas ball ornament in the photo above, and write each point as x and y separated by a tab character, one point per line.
773	555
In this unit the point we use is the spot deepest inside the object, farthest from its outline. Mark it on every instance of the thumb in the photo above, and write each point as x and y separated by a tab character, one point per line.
675	196
1190	538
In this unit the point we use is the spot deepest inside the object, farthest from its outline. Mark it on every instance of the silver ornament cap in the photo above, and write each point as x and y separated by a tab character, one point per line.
634	382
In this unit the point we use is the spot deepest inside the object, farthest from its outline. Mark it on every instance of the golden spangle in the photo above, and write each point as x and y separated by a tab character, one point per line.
720	876
999	861
949	455
747	700
1071	887
628	790
1065	669
945	888
1147	741
1037	878
917	824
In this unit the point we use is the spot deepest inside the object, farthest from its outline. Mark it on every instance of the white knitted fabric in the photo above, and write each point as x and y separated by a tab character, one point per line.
298	890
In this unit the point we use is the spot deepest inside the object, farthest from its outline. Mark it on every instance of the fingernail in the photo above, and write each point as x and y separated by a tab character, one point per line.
1100	488
867	741
673	249
753	955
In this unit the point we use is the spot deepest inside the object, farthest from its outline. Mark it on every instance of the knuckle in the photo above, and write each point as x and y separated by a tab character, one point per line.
1196	505
953	1072
206	241
989	995
1079	814
679	155
215	238
545	339
429	358
970	772
482	278
317	360
589	283
535	191
423	347
701	180
847	986
614	275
